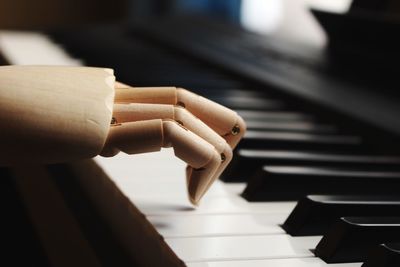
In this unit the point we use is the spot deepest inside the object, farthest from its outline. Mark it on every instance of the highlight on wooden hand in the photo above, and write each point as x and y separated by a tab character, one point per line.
54	114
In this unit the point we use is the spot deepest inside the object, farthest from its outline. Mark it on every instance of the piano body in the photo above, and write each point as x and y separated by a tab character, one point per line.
314	182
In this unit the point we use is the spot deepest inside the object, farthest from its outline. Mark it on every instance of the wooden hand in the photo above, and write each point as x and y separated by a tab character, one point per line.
202	133
55	114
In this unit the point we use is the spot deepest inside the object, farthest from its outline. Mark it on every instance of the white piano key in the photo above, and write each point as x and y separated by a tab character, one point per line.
302	262
272	207
160	166
218	225
32	48
171	189
208	205
154	189
235	188
198	249
130	169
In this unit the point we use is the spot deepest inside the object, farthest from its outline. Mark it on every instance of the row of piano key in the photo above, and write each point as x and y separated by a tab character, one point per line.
286	155
357	202
226	228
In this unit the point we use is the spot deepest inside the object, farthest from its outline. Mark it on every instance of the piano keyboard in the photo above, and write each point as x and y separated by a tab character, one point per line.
285	140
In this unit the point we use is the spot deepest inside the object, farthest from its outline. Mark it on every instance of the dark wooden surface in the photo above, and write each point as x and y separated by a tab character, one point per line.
3	61
49	14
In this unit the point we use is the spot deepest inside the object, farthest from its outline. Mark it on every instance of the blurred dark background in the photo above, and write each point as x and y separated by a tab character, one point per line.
282	19
44	14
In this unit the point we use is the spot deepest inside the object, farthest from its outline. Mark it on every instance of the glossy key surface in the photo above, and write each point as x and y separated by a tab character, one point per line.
296	126
249	102
198	249
290	262
384	255
303	141
274	116
171	226
315	214
294	183
247	161
351	238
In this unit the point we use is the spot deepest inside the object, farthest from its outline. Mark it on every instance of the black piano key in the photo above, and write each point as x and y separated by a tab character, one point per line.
249	103
300	141
313	215
151	64
232	92
247	161
275	116
296	126
273	183
141	78
351	238
384	255
244	91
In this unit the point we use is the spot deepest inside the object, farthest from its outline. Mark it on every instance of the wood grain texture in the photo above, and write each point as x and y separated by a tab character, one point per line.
53	114
155	95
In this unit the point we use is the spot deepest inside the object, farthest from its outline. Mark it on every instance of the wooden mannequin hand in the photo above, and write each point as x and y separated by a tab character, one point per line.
56	114
202	133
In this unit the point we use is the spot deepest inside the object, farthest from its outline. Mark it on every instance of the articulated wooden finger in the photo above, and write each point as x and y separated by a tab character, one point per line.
226	157
204	161
138	112
189	147
150	135
155	95
193	176
134	137
199	180
236	133
224	121
195	125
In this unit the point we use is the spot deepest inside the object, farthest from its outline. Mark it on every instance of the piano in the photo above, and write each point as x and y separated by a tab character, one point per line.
314	182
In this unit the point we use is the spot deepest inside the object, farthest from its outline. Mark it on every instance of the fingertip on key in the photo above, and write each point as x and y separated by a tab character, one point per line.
199	180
